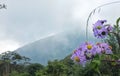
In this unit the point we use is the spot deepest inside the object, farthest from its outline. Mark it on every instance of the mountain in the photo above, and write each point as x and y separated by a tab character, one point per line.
53	47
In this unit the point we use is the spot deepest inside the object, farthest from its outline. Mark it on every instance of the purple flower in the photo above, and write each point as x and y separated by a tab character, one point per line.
88	49
87	52
84	53
100	30
78	57
102	33
109	28
104	48
99	24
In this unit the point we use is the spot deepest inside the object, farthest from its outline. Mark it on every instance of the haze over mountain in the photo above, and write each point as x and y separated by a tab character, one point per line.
53	47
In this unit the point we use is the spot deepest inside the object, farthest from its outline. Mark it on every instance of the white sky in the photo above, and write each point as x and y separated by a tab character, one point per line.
25	21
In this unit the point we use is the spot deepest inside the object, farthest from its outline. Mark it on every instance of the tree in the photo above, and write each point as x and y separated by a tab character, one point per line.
7	59
15	73
33	68
56	68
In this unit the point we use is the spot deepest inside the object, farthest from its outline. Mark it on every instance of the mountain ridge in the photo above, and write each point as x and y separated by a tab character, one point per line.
53	47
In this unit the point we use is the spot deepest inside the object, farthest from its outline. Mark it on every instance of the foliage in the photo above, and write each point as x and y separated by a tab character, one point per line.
13	64
15	73
64	67
9	61
33	68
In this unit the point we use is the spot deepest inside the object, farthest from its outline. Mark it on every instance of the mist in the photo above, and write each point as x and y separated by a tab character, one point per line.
26	21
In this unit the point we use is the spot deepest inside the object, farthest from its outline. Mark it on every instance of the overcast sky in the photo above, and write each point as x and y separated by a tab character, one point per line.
25	21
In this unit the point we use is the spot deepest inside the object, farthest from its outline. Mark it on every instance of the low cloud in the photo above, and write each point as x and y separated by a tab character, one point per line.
25	21
8	45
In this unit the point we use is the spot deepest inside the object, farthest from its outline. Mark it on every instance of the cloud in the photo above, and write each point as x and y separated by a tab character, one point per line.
26	21
36	19
8	45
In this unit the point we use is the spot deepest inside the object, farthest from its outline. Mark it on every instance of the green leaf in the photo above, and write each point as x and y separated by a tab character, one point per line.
117	22
102	56
96	57
114	56
113	63
95	65
96	62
